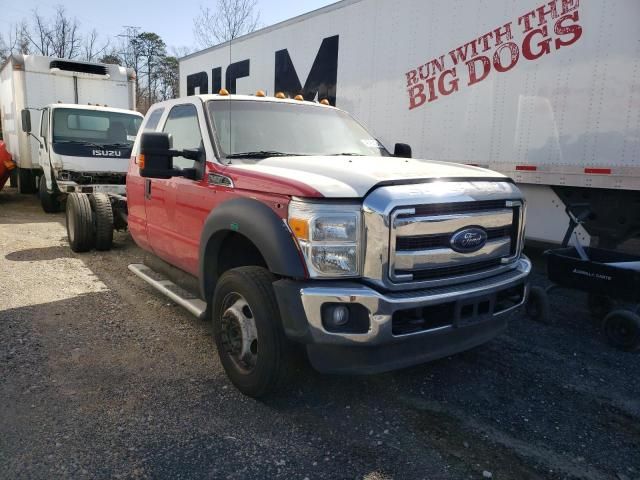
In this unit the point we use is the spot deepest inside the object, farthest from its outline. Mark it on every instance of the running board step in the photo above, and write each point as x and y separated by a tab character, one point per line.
177	294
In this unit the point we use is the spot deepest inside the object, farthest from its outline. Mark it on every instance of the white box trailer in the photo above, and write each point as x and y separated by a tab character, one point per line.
547	92
35	82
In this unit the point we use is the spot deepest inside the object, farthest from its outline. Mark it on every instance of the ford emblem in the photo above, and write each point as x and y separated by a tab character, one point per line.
468	240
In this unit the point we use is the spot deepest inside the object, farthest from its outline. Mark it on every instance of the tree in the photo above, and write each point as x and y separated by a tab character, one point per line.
56	37
228	20
91	50
151	49
112	57
168	78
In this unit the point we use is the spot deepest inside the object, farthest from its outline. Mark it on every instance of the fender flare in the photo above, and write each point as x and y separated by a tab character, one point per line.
258	223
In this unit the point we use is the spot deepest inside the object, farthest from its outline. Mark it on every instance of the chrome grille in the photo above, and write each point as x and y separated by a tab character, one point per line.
420	237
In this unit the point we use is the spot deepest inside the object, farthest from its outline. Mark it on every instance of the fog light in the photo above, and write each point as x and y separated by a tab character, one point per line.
339	316
345	318
335	317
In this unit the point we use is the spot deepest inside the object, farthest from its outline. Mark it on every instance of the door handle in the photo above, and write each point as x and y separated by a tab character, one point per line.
147	188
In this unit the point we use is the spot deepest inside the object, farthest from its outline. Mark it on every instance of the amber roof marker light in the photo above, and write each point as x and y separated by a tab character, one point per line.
281	95
223	92
260	93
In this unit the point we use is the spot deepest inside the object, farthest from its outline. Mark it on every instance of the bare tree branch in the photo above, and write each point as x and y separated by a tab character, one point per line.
228	20
59	36
90	48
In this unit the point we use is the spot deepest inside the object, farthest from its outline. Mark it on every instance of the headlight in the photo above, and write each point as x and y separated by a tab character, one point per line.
329	237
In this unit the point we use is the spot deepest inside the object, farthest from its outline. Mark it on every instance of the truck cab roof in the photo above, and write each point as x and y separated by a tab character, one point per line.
102	108
233	97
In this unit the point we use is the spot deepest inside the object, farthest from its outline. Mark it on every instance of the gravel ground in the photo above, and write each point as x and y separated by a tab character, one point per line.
101	377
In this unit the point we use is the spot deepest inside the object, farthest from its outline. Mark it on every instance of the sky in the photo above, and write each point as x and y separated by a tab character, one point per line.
171	19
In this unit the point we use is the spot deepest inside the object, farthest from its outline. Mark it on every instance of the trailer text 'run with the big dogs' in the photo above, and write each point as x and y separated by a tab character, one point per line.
549	27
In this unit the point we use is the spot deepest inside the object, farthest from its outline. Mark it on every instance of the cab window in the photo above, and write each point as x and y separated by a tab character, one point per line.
154	119
183	126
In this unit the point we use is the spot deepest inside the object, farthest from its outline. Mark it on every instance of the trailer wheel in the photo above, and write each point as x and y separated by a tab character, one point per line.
622	329
103	215
26	181
252	347
80	226
599	305
49	201
537	307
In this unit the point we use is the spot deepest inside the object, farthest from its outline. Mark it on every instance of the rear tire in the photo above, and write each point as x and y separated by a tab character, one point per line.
80	226
26	181
537	307
49	201
103	215
622	329
245	311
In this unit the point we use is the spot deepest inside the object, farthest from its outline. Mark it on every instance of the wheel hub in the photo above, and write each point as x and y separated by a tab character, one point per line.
239	333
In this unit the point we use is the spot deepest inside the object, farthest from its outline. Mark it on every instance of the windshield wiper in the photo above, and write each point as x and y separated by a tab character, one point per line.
346	154
262	154
78	142
115	145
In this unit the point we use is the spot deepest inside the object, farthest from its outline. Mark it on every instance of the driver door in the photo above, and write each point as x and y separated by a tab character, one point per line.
175	207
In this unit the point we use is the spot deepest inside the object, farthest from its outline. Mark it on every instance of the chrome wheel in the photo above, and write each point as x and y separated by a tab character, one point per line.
238	333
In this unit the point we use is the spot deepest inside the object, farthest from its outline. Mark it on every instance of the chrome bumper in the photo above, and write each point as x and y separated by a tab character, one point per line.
382	306
66	186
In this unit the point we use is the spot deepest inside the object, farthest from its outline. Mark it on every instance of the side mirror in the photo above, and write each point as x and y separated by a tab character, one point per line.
156	156
402	150
26	120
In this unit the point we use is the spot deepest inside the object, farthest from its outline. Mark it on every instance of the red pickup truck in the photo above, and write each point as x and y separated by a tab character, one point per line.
305	233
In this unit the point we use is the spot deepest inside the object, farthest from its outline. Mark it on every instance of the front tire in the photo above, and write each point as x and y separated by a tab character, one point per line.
26	181
252	347
49	201
80	226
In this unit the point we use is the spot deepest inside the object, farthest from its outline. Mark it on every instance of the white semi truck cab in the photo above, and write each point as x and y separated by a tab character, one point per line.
81	148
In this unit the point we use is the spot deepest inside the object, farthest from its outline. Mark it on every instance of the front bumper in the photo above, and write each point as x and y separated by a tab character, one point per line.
477	315
71	187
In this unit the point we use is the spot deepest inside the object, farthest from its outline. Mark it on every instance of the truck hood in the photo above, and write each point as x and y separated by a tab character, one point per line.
353	177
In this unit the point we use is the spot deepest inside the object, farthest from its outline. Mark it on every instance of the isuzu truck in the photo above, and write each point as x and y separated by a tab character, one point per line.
68	125
546	92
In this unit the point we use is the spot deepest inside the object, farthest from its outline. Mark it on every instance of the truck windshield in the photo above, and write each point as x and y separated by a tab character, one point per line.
260	129
72	125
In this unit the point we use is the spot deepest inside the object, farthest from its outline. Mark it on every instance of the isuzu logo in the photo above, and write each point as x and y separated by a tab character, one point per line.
106	153
468	240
